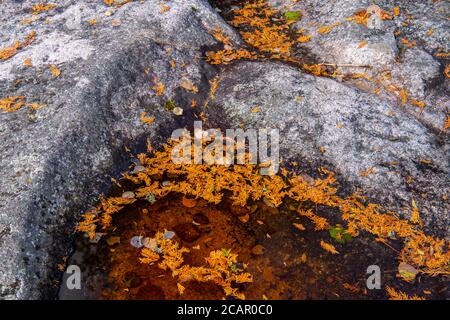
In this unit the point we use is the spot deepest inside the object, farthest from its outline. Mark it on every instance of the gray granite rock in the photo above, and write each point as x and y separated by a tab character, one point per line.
416	68
323	121
57	159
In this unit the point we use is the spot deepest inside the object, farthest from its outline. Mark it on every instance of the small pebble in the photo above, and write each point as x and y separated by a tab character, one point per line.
136	242
116	23
407	271
128	195
150	243
109	12
150	197
138	169
97	237
201	218
169	235
244	219
177	111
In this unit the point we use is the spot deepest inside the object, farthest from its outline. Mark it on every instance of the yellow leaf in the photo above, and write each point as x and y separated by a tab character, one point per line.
146	120
27	62
362	44
305	38
188	85
180	288
55	71
299	226
396	11
328	247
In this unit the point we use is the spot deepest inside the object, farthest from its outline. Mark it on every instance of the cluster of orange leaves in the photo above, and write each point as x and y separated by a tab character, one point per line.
11	104
13	49
258	29
328	247
243	184
362	16
228	54
221	266
116	3
147	120
159	87
398	295
41	7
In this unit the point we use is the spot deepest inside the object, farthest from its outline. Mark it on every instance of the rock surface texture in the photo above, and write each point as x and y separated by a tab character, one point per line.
54	159
116	62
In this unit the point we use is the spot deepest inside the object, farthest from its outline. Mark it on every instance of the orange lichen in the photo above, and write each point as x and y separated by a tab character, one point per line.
10	51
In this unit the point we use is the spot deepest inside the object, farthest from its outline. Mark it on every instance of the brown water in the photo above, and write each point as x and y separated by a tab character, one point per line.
286	263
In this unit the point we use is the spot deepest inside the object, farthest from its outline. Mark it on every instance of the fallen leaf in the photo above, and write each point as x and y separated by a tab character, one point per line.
146	120
188	85
54	70
27	62
362	44
396	11
180	288
328	247
299	226
189	203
